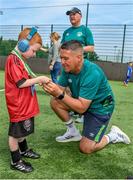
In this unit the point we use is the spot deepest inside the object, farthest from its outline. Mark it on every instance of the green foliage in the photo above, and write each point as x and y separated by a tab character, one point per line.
41	54
6	46
93	56
64	160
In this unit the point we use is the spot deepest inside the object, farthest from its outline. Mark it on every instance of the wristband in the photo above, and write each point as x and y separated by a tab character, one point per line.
61	96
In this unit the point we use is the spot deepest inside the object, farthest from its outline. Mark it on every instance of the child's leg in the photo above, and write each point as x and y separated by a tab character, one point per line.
16	162
22	144
127	79
25	151
14	149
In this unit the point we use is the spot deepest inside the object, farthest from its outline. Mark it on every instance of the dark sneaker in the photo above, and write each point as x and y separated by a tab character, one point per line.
22	166
30	154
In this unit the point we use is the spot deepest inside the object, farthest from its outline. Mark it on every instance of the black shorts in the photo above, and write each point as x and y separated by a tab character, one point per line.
95	126
22	128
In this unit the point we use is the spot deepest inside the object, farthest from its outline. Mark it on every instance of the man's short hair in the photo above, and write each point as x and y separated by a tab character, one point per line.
72	45
74	10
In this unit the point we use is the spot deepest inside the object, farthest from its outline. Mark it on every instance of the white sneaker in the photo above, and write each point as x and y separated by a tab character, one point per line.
71	113
68	137
80	119
120	135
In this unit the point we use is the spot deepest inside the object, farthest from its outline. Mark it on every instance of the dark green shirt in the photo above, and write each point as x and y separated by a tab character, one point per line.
81	34
91	83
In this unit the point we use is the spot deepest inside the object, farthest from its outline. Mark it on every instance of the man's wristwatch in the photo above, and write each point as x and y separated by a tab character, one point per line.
61	96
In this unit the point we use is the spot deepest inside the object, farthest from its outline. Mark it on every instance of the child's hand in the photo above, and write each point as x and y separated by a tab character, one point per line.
43	79
40	84
51	67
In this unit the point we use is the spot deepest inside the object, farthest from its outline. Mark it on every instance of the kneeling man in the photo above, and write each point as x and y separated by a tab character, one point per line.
91	95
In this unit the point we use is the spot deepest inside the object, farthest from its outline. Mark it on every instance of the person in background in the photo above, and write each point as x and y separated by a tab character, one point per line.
78	32
91	96
53	59
81	33
128	74
21	99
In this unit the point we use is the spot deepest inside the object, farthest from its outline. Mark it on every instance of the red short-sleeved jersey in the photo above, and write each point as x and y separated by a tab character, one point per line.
20	102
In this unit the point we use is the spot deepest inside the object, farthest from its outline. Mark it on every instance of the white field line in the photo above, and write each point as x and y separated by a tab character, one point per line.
2	90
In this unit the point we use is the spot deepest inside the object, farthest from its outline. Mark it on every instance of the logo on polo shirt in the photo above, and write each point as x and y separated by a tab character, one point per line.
79	34
70	80
67	34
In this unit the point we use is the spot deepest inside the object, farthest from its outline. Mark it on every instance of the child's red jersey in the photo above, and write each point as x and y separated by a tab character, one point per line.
21	103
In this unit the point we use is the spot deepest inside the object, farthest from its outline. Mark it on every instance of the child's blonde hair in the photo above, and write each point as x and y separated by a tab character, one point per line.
55	35
35	39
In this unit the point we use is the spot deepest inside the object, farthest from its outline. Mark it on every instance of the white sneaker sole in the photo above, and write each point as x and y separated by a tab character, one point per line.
126	138
78	138
79	120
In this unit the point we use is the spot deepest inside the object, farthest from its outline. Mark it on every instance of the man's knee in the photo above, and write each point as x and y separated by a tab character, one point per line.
87	146
85	149
58	105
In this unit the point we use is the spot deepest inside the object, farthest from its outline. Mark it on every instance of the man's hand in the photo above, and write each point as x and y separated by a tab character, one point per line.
52	89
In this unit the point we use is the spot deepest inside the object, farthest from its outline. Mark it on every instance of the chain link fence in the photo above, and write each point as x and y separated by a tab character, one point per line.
112	42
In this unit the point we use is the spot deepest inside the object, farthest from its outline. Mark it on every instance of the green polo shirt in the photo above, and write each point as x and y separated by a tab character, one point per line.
91	83
81	34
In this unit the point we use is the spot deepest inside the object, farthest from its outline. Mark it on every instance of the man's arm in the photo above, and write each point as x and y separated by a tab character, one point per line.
79	105
89	48
89	41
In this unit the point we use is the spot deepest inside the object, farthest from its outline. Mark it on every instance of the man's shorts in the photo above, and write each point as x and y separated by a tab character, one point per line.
22	128
95	126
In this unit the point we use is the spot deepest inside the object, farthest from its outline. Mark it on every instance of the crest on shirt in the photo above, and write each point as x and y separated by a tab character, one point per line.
70	80
67	34
79	34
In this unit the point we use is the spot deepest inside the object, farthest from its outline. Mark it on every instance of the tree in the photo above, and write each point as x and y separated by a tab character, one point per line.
6	46
93	56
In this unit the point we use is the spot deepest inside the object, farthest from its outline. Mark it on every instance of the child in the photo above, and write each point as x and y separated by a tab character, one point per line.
21	98
128	74
54	59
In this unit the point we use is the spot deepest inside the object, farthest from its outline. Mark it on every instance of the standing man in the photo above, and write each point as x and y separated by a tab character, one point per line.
91	96
80	33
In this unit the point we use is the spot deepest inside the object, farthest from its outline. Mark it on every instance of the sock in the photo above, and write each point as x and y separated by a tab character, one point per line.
23	145
111	137
71	126
15	155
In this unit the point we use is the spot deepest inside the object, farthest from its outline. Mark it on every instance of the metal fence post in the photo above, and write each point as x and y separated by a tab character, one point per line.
1	12
52	27
87	13
123	44
22	27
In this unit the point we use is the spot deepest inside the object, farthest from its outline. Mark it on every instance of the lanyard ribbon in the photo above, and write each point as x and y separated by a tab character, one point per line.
28	69
30	72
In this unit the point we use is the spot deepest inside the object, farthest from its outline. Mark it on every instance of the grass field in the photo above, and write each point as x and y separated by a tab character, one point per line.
63	160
